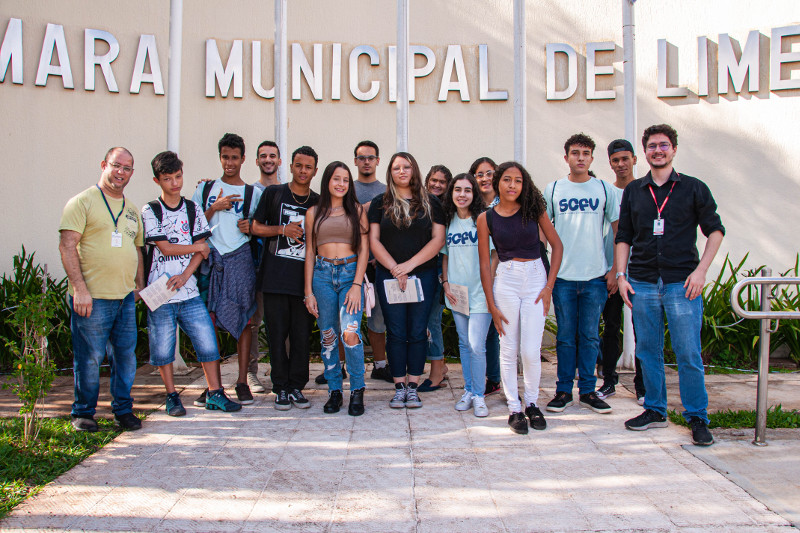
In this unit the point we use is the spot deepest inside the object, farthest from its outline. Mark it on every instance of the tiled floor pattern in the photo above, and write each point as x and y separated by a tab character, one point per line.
426	470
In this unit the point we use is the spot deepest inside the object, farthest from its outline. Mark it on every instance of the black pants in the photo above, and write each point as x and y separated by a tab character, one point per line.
609	344
287	316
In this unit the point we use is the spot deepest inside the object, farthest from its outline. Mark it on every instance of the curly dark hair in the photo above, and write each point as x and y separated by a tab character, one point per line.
530	198
664	129
475	208
579	139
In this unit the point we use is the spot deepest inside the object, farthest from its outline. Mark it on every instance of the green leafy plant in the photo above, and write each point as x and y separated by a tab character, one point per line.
33	370
776	418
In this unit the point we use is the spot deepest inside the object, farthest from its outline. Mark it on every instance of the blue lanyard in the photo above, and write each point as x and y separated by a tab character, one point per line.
115	220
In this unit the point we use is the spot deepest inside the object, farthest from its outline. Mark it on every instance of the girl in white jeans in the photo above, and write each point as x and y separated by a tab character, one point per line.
519	296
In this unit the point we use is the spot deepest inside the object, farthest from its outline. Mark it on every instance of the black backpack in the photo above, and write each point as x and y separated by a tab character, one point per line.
155	206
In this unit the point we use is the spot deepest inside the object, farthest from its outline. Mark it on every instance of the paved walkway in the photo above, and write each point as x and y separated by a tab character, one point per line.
431	469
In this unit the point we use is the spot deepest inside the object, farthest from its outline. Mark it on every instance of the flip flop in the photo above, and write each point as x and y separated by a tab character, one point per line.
428	386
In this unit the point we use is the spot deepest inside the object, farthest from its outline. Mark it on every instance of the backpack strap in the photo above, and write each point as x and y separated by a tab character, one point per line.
149	248
206	192
552	196
191	214
489	219
248	199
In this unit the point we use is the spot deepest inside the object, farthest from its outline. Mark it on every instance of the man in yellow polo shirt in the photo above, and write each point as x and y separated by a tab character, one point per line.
101	236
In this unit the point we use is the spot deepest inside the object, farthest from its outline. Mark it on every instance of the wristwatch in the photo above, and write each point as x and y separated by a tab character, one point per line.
618	275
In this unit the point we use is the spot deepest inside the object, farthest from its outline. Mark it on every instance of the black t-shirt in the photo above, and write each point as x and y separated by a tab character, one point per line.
404	243
283	258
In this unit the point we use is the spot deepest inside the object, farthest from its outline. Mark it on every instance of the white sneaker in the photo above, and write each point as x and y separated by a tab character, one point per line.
479	407
254	384
465	402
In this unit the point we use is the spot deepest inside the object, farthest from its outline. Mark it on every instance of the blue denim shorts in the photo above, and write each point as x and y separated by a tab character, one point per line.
193	318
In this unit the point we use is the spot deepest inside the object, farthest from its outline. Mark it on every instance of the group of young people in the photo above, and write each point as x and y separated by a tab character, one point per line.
487	243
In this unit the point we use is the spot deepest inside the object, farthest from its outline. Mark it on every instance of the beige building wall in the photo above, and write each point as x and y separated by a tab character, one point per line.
53	139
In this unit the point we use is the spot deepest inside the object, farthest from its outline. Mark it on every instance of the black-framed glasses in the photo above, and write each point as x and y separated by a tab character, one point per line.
365	158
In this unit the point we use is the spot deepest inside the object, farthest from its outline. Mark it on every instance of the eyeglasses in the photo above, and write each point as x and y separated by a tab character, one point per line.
661	146
117	167
488	174
365	158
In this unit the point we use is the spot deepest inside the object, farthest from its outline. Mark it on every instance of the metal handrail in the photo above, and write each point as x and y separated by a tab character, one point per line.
765	316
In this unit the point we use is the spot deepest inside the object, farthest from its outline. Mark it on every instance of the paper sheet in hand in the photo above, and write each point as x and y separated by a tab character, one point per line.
412	294
461	292
157	293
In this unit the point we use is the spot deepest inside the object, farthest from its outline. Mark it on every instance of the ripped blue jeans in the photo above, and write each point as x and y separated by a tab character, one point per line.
330	285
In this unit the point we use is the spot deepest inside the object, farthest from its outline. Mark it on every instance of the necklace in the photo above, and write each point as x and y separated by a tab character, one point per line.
298	202
334	209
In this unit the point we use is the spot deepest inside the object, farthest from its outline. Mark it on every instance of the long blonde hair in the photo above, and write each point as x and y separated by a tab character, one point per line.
401	211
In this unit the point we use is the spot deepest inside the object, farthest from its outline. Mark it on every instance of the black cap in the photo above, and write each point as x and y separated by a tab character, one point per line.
620	145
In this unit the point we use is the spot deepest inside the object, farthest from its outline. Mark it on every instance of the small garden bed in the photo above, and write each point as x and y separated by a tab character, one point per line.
777	418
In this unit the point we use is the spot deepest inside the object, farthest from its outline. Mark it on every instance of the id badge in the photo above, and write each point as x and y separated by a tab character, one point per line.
116	239
658	226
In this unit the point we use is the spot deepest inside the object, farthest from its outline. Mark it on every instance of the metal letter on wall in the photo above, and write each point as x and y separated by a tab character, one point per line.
413	72
374	60
313	76
336	71
11	52
593	70
483	77
54	39
729	67
668	71
91	59
216	74
147	48
257	86
777	58
702	66
454	60
572	71
392	73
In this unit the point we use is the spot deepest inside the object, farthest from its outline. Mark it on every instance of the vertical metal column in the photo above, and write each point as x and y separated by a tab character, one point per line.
520	97
629	70
402	76
281	67
763	363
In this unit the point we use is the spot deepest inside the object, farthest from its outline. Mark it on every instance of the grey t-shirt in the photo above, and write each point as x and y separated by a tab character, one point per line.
365	192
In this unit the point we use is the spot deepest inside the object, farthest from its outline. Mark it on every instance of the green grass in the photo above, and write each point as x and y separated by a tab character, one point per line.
776	418
24	471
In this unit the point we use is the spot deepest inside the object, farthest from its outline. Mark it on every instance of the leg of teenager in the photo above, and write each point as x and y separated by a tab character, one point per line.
123	361
195	322
416	325
478	327
211	372
638	378
255	326
565	302
435	339
243	351
648	315
394	316
276	312
327	299
532	328
685	320
161	326
612	318
465	351
508	285
492	355
350	329
592	296
301	323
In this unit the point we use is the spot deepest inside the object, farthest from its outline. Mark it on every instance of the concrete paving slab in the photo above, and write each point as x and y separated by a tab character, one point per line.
431	469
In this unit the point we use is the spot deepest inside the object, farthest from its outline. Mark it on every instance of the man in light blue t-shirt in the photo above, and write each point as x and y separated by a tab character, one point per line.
579	205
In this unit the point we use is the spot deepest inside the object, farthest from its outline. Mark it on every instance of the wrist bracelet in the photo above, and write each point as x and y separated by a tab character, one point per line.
548	287
307	297
356	284
283	229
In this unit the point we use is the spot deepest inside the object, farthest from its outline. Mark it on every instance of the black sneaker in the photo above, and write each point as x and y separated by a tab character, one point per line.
320	380
282	402
561	401
334	402
536	417
84	423
492	387
173	405
243	394
648	419
606	391
518	423
383	373
201	400
591	401
701	436
298	400
128	421
356	407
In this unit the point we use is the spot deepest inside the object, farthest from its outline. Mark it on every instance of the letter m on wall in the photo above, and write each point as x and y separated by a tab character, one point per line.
223	76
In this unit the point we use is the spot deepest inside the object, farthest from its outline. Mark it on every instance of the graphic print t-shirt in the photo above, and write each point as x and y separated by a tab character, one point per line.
283	258
463	266
225	234
174	228
578	211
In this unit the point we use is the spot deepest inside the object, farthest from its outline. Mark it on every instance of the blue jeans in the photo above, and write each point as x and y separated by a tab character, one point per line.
330	285
578	305
193	318
472	331
113	323
406	325
493	354
436	341
651	303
